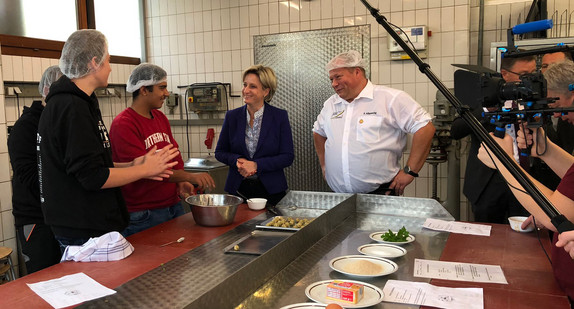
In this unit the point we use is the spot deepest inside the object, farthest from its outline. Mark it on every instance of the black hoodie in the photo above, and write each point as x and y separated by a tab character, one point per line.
22	149
74	157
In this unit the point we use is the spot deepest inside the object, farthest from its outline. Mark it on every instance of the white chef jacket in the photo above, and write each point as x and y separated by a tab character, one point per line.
366	138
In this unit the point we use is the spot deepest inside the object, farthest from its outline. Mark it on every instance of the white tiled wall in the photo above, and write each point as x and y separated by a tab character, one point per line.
7	231
212	41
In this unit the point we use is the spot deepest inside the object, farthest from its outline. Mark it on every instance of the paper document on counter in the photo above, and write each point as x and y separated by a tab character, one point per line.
457	227
420	293
459	271
70	290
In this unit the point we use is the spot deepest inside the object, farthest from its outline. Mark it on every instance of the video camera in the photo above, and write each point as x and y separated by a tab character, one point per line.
480	87
487	89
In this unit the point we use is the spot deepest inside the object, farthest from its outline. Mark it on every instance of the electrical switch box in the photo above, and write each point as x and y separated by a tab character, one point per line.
418	35
172	100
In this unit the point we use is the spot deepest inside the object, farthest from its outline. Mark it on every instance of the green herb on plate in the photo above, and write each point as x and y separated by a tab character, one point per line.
400	236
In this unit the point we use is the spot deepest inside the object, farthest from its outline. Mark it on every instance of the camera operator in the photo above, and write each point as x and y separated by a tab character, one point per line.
560	77
558	131
490	198
513	68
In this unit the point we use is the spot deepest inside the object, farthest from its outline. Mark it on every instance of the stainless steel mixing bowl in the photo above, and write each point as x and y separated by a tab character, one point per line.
213	209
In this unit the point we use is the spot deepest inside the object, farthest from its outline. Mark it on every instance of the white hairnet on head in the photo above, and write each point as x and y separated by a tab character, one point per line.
79	50
350	59
50	75
145	74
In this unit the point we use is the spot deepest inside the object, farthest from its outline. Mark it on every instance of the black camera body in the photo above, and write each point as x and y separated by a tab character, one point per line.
486	89
489	90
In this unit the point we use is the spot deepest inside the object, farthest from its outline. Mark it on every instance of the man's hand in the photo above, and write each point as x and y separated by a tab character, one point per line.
530	138
185	189
157	163
400	182
485	156
203	180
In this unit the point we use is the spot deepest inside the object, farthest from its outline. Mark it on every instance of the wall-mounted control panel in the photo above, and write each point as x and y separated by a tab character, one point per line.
418	35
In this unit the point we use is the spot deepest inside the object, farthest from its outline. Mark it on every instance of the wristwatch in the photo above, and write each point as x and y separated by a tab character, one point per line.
408	170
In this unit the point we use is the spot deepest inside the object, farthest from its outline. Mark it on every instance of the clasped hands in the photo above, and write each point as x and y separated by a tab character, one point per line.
246	168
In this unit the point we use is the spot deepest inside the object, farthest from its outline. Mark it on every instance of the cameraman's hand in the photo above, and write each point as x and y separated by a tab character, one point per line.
526	137
506	144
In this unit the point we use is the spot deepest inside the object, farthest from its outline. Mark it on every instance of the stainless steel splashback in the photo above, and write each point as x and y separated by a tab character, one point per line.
299	60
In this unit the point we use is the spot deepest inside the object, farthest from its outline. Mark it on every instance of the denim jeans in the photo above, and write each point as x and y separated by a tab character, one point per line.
141	220
66	241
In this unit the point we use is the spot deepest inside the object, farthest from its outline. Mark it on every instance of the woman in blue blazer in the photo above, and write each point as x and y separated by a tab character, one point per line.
256	140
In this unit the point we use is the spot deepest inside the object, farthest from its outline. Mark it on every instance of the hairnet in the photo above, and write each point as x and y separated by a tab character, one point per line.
145	74
79	50
350	59
50	75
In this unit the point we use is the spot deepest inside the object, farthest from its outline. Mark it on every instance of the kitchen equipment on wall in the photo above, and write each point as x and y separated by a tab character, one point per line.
417	36
299	59
497	48
207	97
217	170
172	101
445	149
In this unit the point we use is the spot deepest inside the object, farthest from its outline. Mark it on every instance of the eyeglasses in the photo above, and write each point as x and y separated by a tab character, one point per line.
519	74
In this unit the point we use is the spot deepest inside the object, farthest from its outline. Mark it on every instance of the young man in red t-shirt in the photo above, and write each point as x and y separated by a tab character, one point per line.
139	128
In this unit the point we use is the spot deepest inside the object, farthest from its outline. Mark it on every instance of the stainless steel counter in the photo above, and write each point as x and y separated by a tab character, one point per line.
206	277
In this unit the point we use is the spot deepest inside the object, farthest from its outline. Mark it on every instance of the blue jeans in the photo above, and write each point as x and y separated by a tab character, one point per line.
66	241
141	220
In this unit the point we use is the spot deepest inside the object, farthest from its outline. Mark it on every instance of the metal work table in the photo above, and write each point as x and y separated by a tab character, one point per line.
206	277
198	274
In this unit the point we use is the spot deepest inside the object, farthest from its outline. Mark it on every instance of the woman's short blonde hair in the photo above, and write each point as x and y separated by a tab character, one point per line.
266	77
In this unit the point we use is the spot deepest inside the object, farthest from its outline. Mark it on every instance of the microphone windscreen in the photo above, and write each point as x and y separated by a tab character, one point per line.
532	26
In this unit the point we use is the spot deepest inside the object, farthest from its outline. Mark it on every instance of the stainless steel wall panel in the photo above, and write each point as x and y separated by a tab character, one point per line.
299	59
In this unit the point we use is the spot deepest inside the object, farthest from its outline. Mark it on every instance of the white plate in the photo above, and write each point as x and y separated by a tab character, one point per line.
383	250
376	236
387	266
305	306
318	292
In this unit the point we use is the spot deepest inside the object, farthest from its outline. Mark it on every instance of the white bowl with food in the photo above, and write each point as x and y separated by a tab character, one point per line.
516	224
256	203
363	266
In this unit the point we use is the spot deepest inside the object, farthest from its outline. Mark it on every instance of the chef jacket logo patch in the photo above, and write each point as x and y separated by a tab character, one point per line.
337	115
369	113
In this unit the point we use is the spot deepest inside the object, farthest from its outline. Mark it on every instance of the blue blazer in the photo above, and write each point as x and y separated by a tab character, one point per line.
274	150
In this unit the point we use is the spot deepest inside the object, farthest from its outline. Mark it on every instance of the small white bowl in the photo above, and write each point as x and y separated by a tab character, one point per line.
256	203
516	222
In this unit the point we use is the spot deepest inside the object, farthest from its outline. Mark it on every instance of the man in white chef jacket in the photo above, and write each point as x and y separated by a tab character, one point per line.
362	130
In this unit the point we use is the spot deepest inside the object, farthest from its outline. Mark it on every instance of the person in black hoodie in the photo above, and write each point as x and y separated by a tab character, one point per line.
35	239
78	179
